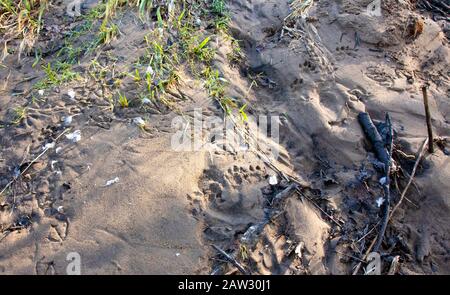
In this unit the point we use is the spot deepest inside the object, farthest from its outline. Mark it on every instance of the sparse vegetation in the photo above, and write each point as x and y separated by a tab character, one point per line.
123	101
20	113
22	19
59	74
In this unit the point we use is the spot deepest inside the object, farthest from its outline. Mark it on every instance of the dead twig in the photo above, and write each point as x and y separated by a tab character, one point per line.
231	259
413	173
428	118
318	207
31	164
395	265
358	266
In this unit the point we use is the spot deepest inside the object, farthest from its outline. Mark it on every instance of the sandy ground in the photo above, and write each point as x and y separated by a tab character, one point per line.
168	207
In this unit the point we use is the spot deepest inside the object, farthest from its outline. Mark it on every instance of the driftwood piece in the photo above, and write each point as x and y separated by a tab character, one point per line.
366	121
386	187
374	136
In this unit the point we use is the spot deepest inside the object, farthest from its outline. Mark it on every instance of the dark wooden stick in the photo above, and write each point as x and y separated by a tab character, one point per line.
386	187
374	136
231	259
428	117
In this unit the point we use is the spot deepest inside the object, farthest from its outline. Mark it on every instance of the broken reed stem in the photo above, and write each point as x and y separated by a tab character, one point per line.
428	118
413	173
369	249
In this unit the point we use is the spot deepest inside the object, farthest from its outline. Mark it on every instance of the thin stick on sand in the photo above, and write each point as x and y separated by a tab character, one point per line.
428	117
413	173
230	259
31	163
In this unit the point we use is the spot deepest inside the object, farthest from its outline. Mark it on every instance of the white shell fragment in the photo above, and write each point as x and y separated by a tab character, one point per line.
48	146
139	121
112	181
68	120
74	136
379	202
58	149
146	101
52	164
273	180
299	249
60	209
71	93
41	92
149	70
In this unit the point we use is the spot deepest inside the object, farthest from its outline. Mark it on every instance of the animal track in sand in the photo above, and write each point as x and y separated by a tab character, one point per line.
378	74
227	202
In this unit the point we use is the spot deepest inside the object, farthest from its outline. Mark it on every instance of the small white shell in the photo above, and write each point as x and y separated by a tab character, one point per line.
71	93
74	136
139	121
149	70
48	146
379	202
112	181
68	120
273	180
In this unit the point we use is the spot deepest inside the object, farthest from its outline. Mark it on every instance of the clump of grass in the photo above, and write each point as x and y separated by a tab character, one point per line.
137	76
159	68
243	114
22	19
214	84
123	101
218	7
59	74
107	34
236	55
144	5
202	51
20	113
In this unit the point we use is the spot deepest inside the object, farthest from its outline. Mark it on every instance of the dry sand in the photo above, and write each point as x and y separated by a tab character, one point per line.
168	207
